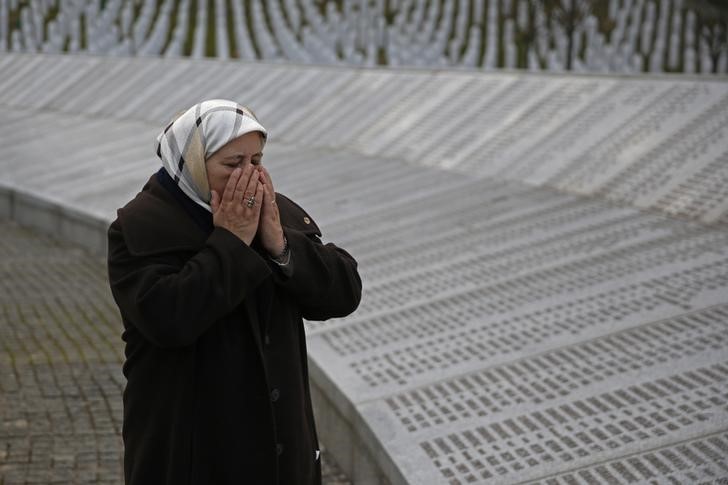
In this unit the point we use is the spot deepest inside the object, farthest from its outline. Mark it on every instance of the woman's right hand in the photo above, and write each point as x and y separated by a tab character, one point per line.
232	212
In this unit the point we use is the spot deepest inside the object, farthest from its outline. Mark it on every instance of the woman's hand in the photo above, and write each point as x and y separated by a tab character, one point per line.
232	212
271	232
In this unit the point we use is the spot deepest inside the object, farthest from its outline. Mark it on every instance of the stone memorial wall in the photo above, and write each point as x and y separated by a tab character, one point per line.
545	258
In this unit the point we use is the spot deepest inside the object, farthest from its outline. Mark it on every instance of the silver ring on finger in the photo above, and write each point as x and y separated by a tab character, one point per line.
250	201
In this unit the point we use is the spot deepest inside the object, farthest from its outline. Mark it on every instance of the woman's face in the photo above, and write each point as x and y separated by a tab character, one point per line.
239	152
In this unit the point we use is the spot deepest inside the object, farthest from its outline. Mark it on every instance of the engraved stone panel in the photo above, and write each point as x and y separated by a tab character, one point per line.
544	258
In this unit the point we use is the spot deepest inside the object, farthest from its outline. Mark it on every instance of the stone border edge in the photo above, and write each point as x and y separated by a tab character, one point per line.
347	436
54	218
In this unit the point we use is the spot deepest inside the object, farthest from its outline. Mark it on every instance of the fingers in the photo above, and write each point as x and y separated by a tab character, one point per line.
259	196
266	179
232	182
270	231
234	210
243	188
215	201
251	189
264	201
269	198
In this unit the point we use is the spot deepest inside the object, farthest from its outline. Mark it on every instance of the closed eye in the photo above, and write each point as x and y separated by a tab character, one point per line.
236	162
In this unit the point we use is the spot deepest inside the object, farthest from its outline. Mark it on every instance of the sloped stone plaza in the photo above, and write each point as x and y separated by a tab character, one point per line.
544	259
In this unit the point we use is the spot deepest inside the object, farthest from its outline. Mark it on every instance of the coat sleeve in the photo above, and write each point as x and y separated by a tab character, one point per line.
173	304
323	279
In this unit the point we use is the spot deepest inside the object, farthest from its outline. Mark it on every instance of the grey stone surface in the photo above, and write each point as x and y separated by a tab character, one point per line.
525	333
654	143
545	258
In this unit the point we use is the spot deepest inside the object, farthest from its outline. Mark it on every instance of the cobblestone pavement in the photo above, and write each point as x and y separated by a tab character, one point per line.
60	366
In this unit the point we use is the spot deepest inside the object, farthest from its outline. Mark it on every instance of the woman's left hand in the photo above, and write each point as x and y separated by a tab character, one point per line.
269	225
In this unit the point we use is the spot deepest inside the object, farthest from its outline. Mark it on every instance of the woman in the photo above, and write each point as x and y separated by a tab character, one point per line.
213	272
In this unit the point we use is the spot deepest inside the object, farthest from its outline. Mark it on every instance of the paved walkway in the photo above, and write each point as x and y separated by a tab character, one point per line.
60	366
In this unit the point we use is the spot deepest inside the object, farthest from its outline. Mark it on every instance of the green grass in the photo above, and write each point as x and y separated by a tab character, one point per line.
191	23
14	20
155	17
137	10
389	13
466	34
249	22
284	12
526	40
483	34
172	24
82	45
605	25
210	41
232	44
50	16
266	19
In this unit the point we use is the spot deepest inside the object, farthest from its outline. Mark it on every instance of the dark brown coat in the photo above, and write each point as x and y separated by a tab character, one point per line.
217	382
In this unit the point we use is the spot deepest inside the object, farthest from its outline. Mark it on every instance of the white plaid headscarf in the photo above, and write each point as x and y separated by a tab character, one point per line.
191	138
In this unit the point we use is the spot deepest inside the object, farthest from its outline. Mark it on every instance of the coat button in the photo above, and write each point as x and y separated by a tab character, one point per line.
274	395
279	449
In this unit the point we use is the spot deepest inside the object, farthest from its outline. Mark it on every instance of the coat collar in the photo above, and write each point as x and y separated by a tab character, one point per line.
200	215
155	222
